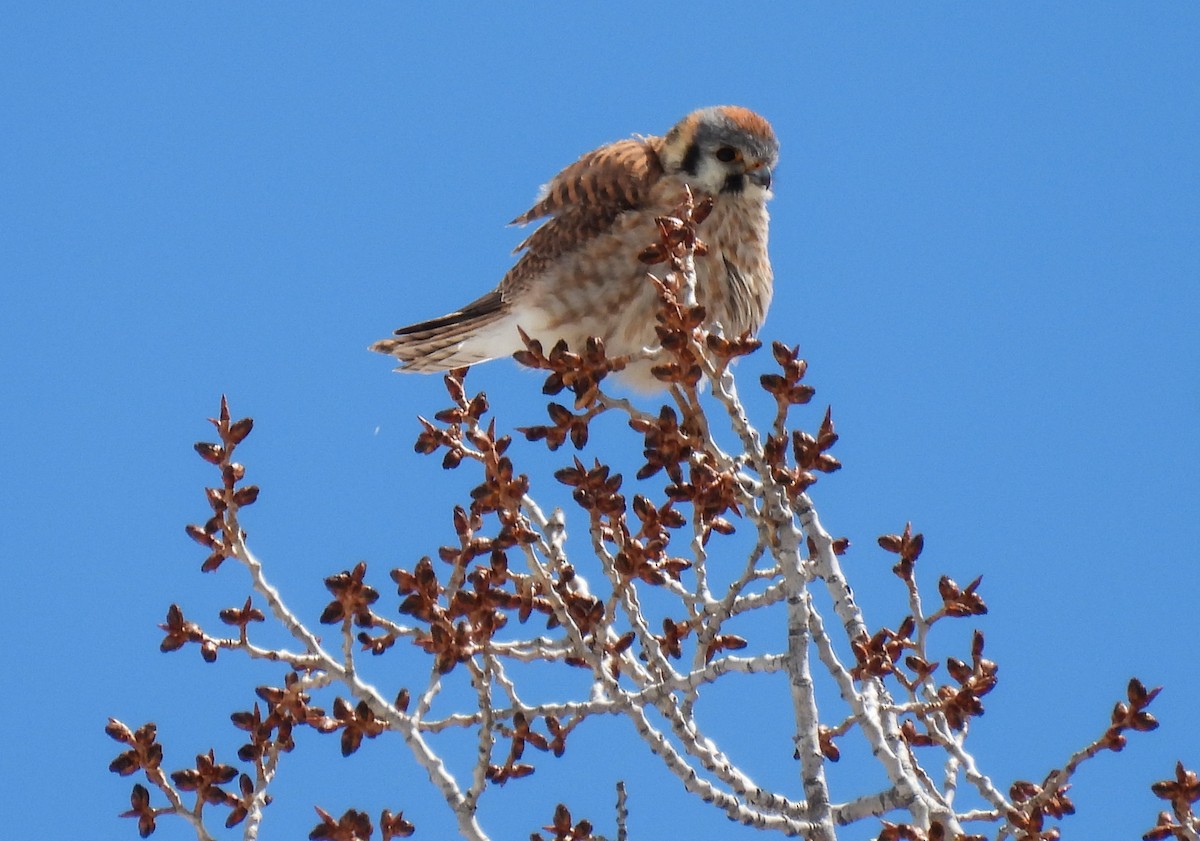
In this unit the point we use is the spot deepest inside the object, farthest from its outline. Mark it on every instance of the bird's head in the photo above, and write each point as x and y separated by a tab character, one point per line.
722	149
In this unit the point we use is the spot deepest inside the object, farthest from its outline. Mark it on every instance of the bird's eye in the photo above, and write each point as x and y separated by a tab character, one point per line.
726	154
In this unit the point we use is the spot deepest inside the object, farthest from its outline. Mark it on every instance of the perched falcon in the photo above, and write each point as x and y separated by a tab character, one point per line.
579	275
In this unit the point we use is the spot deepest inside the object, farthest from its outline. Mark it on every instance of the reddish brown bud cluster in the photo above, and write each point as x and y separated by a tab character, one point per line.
644	555
677	238
394	825
563	829
678	330
839	545
668	445
957	601
241	617
787	388
723	642
974	681
459	629
829	749
1035	804
502	493
712	491
810	455
352	598
144	753
219	531
581	373
450	643
180	632
521	734
140	808
936	832
727	350
673	635
878	655
908	546
358	722
595	490
205	779
1029	824
679	320
354	825
1181	822
1132	715
502	489
908	730
565	425
463	412
288	707
422	589
1051	801
585	611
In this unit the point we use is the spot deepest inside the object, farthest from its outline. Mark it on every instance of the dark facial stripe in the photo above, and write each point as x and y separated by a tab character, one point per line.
734	183
691	159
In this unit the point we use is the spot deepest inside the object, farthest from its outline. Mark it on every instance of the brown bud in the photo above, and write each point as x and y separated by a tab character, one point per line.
212	453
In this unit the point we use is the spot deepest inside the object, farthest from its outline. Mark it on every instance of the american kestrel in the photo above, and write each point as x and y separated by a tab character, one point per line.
579	273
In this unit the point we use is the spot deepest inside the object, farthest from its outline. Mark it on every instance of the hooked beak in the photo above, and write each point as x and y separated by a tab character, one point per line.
760	174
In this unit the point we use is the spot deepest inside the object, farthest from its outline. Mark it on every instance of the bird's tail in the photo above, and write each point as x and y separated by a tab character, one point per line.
476	333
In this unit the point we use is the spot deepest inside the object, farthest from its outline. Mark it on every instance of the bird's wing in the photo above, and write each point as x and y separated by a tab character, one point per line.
616	176
452	340
580	203
583	201
481	310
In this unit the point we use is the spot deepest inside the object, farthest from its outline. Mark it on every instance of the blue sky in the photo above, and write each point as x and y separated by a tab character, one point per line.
985	241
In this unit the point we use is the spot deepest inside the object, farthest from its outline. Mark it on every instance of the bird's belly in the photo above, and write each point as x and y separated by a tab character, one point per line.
602	290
